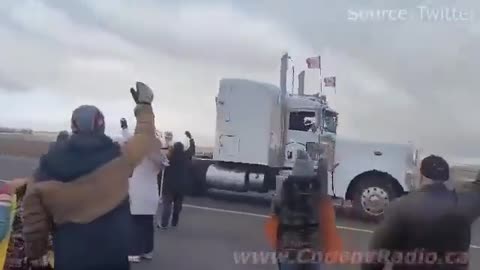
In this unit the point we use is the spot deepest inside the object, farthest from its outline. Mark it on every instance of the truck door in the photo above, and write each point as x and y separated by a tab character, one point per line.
301	129
223	110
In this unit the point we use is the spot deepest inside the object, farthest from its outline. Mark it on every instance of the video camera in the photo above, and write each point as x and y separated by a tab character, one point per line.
297	206
299	196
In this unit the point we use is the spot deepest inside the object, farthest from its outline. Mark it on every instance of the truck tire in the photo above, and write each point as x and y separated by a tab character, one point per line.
371	196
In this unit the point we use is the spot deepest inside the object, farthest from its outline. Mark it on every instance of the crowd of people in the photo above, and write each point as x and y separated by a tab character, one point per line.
91	202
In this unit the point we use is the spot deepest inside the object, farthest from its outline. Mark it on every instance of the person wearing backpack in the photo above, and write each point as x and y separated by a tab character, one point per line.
321	242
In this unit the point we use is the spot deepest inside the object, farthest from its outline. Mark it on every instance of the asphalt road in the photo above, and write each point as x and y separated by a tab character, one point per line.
214	231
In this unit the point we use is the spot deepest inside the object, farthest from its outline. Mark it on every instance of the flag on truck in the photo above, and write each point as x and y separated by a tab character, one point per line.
330	81
314	62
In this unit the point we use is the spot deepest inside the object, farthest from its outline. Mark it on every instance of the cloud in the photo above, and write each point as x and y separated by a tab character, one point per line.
410	79
397	80
92	52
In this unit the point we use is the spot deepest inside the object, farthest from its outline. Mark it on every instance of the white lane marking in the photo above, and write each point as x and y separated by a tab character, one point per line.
354	229
265	216
225	211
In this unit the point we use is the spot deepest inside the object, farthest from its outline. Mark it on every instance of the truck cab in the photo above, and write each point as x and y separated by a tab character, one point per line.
306	124
364	175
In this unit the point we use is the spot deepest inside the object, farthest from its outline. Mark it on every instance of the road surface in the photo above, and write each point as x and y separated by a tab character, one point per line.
213	232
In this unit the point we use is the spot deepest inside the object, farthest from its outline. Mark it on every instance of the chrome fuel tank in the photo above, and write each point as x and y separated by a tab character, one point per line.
228	179
256	181
234	179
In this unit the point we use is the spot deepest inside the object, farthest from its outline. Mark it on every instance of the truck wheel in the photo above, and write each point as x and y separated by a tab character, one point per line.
371	197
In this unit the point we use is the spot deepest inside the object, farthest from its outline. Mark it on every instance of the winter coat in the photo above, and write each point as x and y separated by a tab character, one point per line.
83	199
434	218
177	174
191	150
143	185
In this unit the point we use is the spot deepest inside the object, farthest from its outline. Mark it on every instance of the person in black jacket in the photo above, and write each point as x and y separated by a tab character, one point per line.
175	181
428	228
191	148
190	153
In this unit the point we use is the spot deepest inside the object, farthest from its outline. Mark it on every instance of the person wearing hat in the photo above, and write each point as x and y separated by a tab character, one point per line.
79	191
326	238
425	229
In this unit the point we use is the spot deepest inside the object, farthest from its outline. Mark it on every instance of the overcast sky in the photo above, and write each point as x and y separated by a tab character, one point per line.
407	77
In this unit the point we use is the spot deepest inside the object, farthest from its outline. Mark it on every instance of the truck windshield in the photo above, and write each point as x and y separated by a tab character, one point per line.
330	121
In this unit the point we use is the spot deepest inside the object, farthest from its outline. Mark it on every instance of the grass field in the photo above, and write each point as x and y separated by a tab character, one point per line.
33	146
23	145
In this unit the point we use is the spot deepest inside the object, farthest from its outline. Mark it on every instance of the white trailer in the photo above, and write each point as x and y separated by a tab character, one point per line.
259	127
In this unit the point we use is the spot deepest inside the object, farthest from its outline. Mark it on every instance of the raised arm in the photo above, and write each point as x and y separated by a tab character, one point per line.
158	156
126	134
36	224
469	196
191	148
140	144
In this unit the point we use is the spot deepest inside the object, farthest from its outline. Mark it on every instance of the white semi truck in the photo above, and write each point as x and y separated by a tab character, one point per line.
259	127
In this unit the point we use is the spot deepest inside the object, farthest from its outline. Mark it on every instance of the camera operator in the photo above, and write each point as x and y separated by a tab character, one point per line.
302	226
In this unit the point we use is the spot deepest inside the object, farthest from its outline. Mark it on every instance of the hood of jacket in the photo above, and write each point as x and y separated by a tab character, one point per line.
80	155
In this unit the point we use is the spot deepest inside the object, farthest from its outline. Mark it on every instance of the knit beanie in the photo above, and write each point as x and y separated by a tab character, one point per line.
435	168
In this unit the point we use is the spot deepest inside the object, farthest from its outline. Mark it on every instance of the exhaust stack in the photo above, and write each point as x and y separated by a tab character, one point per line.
301	83
283	75
283	106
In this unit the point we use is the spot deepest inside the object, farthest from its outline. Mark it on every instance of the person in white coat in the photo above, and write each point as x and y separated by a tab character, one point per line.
144	198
